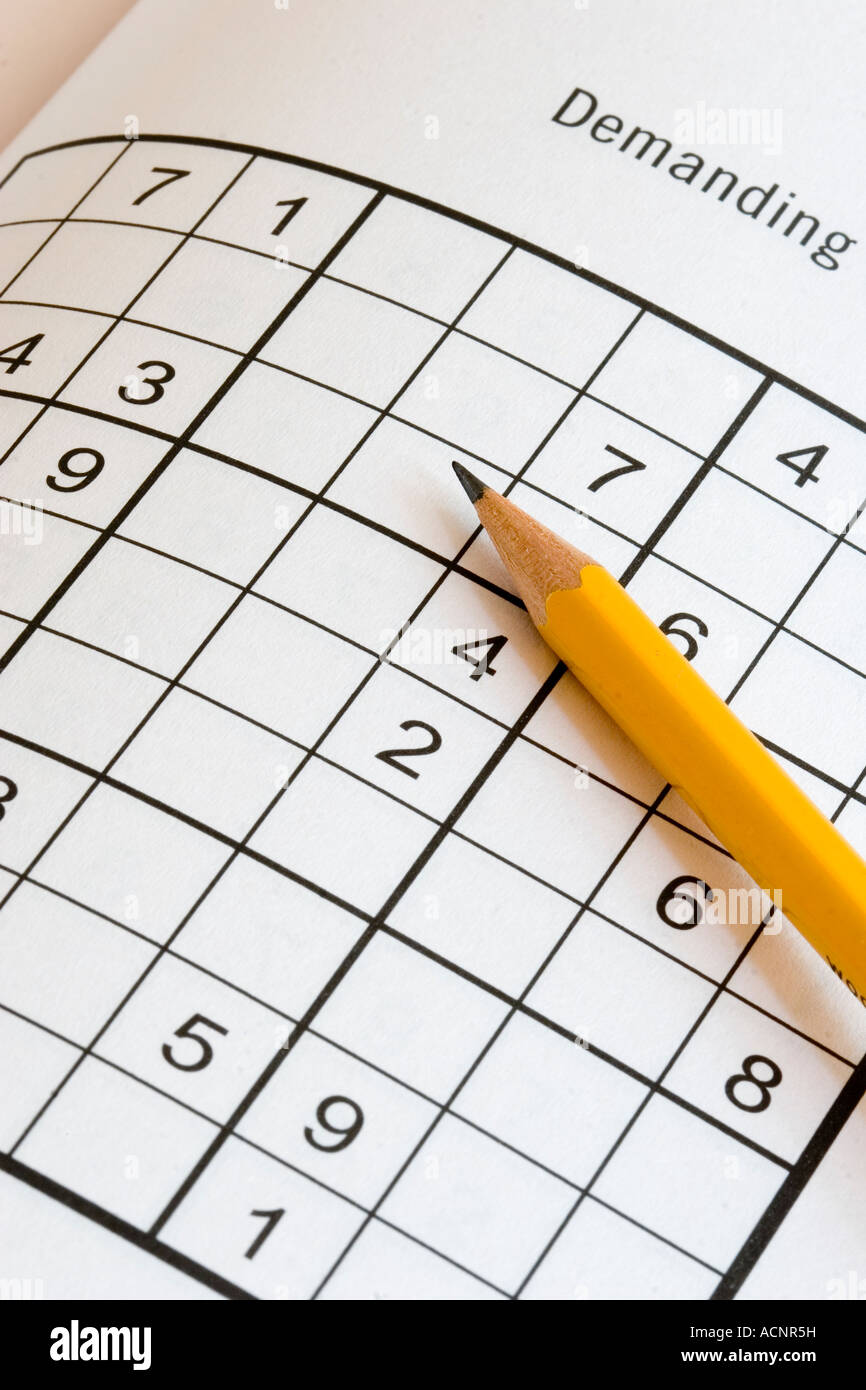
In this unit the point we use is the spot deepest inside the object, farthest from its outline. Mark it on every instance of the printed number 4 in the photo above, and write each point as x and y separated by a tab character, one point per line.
806	472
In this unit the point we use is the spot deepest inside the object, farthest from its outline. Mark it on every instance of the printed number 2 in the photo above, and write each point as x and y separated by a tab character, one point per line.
392	756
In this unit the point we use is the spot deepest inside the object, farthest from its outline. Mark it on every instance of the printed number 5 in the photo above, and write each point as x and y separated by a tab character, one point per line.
187	1030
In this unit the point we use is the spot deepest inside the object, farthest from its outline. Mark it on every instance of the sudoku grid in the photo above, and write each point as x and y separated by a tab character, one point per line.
338	948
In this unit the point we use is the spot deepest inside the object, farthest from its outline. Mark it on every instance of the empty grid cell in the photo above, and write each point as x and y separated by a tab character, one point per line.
269	936
280	209
787	698
62	966
120	601
16	417
41	347
117	1142
337	1119
826	614
718	636
279	670
550	317
656	1000
149	377
481	1205
612	469
676	384
85	1259
602	1256
482	914
50	184
550	1098
34	1062
131	861
690	1182
286	426
76	702
207	763
757	1077
352	341
40	550
536	814
349	577
680	894
477	647
38	793
412	741
193	1036
10	631
85	469
214	516
95	267
744	544
265	1228
342	835
604	544
18	244
410	1016
821	470
384	1264
482	401
573	726
393	469
162	185
786	977
428	262
215	292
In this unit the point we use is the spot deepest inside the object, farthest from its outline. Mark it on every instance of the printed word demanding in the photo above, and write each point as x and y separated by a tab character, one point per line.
689	168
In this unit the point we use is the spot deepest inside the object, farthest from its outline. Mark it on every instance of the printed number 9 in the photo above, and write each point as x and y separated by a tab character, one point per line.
346	1132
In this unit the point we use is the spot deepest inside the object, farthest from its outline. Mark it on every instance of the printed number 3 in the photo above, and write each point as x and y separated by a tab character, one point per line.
131	390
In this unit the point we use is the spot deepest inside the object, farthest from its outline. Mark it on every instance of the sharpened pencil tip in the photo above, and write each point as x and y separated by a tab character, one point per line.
473	486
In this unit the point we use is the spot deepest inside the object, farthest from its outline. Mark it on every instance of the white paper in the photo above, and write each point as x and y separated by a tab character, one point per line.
346	947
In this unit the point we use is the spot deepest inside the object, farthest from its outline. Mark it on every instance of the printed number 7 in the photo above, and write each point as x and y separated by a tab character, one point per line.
173	176
631	466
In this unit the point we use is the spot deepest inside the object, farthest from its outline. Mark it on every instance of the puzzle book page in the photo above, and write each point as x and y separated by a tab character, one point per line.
347	949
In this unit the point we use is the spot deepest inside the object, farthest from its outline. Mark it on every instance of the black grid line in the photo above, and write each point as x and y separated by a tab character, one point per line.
462	1119
832	1123
509	481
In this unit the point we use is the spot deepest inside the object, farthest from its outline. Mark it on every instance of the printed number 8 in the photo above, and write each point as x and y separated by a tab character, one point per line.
747	1077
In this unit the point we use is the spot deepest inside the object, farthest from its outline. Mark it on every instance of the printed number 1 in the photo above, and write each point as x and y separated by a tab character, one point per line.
294	205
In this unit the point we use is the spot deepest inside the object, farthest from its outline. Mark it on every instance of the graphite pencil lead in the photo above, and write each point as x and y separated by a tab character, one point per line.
474	487
538	560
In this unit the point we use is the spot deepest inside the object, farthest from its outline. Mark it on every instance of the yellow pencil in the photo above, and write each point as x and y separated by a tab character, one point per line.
690	735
